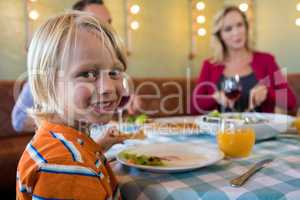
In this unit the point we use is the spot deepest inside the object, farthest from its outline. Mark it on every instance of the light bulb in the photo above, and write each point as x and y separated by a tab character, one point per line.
34	15
243	7
33	0
201	31
297	22
200	5
135	9
135	25
201	19
298	7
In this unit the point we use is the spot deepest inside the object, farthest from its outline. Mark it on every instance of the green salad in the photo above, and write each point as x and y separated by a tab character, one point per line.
214	113
139	119
248	119
141	159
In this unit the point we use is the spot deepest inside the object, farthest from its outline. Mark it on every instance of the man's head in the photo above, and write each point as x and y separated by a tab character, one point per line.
96	7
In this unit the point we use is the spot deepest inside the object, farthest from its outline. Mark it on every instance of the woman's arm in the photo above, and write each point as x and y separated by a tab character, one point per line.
279	92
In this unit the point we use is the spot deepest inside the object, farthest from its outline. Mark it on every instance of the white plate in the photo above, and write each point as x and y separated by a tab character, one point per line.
191	156
274	124
164	131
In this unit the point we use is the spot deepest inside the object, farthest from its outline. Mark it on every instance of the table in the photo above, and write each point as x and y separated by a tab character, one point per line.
278	180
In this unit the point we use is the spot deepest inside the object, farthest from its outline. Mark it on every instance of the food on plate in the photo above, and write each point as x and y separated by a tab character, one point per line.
139	135
142	159
215	116
214	113
175	126
139	119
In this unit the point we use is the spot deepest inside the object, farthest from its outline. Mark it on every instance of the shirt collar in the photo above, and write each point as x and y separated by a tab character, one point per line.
71	133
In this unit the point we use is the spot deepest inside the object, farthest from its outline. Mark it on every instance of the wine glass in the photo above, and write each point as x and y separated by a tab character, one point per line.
127	91
232	87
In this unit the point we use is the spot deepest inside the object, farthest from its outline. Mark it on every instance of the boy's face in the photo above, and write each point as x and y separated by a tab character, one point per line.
89	89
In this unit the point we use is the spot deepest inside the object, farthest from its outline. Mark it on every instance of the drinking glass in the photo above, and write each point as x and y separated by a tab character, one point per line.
232	87
296	122
234	139
127	91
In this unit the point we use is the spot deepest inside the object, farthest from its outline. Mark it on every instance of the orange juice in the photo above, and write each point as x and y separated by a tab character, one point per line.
236	143
296	124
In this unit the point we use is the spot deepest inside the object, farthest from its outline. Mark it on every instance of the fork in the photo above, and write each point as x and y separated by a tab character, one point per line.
240	180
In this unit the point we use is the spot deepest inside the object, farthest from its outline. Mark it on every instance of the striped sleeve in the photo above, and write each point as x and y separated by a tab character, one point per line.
67	181
40	178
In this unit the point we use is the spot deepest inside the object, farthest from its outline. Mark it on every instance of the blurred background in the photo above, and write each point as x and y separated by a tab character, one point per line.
167	31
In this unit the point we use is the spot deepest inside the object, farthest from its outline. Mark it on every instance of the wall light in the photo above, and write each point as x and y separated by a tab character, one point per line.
34	14
33	0
201	32
298	7
200	5
132	11
243	7
197	20
297	22
135	25
135	9
201	19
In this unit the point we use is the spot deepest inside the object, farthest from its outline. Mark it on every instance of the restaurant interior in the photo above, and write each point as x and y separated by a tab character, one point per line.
167	44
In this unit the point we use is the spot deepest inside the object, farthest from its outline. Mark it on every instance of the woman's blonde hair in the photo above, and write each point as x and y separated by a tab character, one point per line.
217	44
49	53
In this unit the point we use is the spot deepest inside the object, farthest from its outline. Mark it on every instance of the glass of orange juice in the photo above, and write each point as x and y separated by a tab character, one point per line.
234	140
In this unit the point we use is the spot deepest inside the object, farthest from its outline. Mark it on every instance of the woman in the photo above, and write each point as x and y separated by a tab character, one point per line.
263	85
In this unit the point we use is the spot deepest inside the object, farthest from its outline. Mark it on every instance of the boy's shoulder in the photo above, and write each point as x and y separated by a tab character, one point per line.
55	147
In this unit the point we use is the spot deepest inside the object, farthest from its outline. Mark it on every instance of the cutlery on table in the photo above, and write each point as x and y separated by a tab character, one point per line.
240	180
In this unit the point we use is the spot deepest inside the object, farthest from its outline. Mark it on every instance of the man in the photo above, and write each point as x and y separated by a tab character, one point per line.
20	120
96	7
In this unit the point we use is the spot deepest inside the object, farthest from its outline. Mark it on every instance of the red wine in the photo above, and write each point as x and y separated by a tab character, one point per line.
233	94
124	101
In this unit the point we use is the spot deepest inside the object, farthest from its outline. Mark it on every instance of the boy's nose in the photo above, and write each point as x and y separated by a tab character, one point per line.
106	86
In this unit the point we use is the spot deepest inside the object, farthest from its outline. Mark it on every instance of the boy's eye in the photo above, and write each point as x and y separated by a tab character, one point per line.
89	75
114	74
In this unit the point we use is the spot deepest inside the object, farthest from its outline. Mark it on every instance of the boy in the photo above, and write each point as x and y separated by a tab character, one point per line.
75	68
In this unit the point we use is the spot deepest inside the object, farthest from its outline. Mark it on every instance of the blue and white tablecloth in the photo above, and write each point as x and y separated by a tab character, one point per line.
278	180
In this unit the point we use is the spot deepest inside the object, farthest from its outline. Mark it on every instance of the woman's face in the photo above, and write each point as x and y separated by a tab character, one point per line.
233	32
90	88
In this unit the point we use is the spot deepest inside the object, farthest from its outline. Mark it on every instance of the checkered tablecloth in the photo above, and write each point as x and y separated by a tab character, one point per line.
278	180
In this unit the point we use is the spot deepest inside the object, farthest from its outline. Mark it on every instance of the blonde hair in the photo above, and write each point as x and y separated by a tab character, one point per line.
217	44
49	52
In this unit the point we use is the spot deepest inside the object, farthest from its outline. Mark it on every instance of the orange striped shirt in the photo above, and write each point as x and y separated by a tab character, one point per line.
63	163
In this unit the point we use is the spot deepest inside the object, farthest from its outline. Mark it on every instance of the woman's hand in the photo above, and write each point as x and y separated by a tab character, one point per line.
109	138
258	95
220	98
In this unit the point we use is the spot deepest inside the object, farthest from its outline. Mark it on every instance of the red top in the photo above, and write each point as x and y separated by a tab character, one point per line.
266	71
